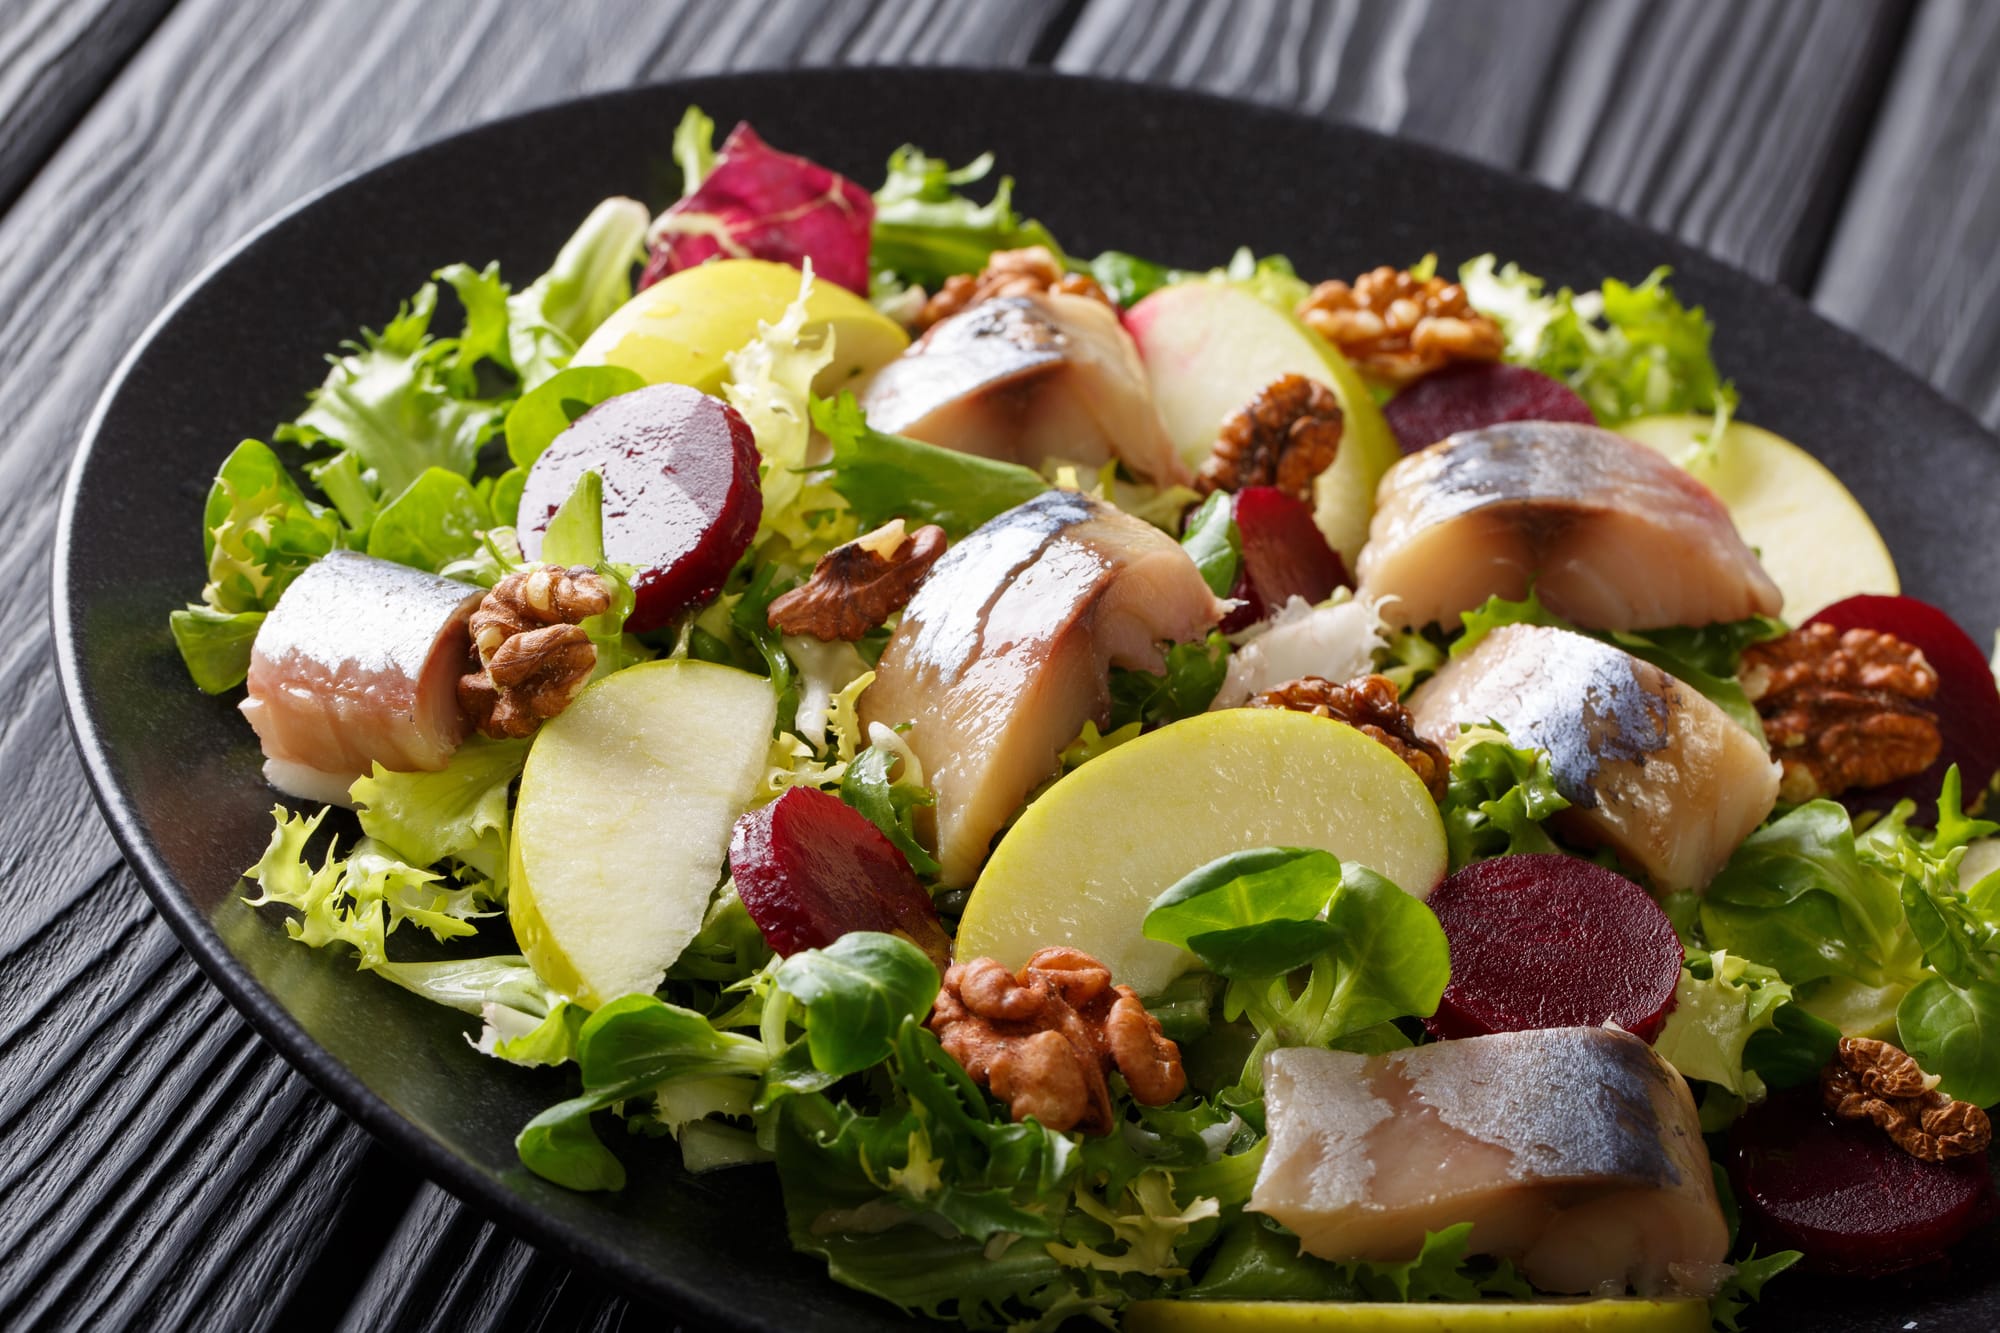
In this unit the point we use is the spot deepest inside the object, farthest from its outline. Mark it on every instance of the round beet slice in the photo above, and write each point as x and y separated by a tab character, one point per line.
1967	702
810	868
681	500
1284	555
1844	1195
1552	942
1472	394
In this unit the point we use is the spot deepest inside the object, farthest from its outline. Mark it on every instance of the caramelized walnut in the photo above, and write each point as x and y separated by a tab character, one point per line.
857	586
1026	272
1842	710
1873	1081
1397	328
1045	1039
1285	437
1371	705
532	656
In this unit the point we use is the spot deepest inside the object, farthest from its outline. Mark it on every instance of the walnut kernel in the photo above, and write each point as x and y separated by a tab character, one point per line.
1285	437
1371	705
1045	1039
1397	328
531	654
857	586
1026	272
1842	710
1872	1080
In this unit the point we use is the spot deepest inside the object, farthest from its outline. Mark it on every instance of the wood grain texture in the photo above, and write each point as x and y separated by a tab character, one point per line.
1732	125
1914	267
55	58
158	1164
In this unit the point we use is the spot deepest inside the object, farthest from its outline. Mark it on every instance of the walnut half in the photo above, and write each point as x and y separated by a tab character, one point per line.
532	656
1842	710
1044	1039
1371	705
1285	437
857	586
1872	1080
1397	327
1029	271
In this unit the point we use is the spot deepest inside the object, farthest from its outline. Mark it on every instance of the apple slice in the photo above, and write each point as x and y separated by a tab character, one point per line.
678	330
623	821
1084	863
1812	536
1210	347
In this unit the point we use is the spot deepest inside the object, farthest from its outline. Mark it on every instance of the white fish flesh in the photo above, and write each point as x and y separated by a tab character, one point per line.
1026	379
1574	1152
1005	652
358	665
1611	534
1651	768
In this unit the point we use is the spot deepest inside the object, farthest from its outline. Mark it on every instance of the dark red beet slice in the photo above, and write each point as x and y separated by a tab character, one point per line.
1967	703
1472	394
681	500
1844	1195
1552	942
1284	555
810	868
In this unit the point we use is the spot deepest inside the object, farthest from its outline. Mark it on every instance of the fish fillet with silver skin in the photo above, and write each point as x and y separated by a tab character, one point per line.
1005	652
1651	768
1609	533
358	665
1025	379
1574	1152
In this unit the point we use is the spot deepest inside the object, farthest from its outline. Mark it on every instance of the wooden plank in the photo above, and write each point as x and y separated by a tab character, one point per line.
1730	125
1913	267
159	1165
55	58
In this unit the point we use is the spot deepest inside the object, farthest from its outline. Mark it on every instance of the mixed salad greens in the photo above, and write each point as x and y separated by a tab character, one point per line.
898	1167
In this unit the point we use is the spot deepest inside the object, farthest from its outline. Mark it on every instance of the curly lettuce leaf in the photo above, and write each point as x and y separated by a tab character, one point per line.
890	803
1496	799
1192	678
592	276
770	384
1628	351
1720	1002
927	229
459	813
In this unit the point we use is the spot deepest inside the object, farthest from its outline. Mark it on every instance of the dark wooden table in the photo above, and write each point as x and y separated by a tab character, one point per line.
159	1166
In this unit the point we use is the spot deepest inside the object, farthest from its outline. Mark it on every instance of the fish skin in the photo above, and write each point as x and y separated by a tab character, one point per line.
1510	1132
1027	379
1650	767
1610	534
1005	650
358	664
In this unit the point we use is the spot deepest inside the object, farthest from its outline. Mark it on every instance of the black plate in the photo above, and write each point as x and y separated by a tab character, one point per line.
1179	177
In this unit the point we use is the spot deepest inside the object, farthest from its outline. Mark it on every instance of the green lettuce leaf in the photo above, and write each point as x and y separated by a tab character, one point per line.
890	804
1214	544
888	476
1496	799
215	645
855	995
592	276
694	148
1721	1002
459	813
548	409
1194	674
436	521
926	229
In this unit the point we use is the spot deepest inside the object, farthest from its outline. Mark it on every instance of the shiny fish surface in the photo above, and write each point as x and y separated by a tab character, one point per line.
1650	767
1574	1152
1610	534
1004	653
1025	379
359	665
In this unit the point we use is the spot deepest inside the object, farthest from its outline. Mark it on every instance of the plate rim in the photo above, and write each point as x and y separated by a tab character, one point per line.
464	1180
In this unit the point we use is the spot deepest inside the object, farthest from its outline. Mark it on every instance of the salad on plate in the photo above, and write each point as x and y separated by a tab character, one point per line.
1173	797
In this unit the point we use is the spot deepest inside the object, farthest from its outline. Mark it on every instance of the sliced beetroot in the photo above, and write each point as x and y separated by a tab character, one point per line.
810	868
1967	702
1552	942
759	203
1284	555
681	500
1844	1195
1472	394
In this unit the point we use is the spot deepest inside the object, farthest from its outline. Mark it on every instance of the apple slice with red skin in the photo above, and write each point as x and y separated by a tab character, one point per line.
1967	702
681	500
1472	394
1552	941
1846	1196
810	868
1284	556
